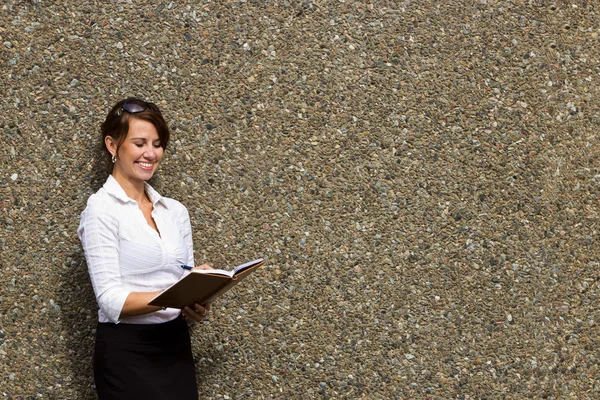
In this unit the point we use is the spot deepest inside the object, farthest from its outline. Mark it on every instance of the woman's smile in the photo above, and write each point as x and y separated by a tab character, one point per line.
146	165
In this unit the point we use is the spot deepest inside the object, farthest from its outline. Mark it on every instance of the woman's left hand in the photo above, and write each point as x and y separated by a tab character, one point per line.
197	313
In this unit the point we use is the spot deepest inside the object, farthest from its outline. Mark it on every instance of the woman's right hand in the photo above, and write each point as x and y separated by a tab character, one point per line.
203	266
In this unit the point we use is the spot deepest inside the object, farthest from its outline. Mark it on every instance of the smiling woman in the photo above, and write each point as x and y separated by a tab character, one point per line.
137	157
135	242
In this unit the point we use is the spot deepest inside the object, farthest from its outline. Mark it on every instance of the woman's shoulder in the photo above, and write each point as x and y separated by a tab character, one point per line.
174	205
100	203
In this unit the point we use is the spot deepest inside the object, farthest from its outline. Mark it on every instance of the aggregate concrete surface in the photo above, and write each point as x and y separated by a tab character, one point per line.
422	177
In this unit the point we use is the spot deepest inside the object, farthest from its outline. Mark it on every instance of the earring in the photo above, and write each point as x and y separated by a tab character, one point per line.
114	159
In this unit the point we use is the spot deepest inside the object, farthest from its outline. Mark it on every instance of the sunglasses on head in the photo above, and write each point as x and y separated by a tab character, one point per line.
136	106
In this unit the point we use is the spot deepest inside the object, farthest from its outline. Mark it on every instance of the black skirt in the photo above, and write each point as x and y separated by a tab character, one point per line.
145	361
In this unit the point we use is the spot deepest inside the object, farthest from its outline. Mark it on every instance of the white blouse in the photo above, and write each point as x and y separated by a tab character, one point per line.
124	254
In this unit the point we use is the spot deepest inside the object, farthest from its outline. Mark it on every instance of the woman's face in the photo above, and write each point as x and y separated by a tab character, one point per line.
140	152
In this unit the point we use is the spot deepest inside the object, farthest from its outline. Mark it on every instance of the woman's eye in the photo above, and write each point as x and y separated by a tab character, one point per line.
139	144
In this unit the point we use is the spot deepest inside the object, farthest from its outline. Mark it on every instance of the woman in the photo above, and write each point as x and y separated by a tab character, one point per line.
135	243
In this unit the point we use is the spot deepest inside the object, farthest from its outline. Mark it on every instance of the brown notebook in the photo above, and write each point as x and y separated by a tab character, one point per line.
202	286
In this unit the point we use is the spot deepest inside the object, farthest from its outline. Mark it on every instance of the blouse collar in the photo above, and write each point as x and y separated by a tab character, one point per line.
114	189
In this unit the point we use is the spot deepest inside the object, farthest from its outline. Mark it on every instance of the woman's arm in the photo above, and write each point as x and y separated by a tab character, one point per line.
98	232
136	304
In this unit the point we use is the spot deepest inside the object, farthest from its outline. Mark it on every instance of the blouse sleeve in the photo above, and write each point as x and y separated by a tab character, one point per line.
98	232
186	234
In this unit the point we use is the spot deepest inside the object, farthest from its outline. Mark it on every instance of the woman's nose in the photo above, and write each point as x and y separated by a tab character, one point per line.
150	154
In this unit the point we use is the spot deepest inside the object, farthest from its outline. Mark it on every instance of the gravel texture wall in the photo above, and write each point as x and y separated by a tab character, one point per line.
422	177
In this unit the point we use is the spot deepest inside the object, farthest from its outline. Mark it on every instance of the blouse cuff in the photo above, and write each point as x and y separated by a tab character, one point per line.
112	304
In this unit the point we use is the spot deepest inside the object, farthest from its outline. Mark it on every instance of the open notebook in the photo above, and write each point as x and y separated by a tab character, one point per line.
202	286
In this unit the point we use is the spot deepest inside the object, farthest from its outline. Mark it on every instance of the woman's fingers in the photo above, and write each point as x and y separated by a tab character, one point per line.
192	315
197	313
200	310
203	266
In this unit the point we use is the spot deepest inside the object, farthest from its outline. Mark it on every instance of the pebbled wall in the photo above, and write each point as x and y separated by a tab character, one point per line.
421	176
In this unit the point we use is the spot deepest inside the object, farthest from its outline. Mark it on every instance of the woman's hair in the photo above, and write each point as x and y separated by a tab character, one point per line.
116	124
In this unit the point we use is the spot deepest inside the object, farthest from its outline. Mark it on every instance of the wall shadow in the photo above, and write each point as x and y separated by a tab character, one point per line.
78	318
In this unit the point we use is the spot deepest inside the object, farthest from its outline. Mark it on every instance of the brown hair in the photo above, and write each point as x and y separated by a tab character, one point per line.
116	124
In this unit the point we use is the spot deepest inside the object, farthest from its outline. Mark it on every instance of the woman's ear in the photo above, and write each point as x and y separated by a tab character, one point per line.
110	145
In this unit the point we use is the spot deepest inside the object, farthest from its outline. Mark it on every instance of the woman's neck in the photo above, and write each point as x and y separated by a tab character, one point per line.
134	190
